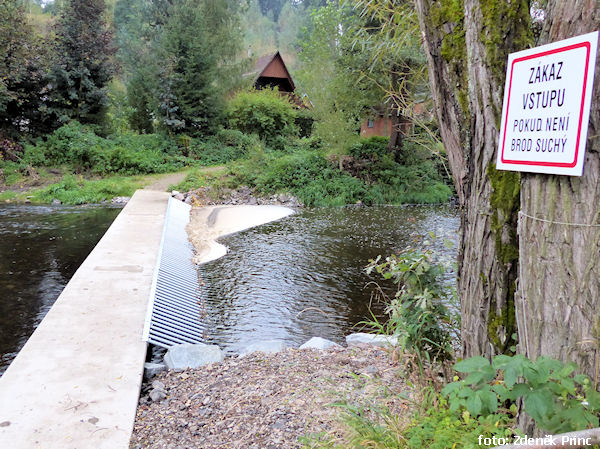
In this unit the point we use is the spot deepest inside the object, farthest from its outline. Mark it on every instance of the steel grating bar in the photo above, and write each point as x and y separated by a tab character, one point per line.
174	312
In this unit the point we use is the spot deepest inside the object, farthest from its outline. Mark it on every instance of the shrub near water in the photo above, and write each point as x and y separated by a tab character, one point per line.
77	145
305	174
305	171
75	190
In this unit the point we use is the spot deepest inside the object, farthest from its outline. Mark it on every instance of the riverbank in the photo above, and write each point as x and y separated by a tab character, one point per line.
64	187
270	400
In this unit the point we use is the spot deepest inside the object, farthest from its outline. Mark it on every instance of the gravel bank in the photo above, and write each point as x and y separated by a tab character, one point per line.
267	401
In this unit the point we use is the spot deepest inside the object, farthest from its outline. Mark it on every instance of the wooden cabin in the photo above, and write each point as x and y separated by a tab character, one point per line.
271	72
380	121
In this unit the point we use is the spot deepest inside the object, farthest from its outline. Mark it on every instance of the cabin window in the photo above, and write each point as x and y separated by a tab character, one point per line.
370	123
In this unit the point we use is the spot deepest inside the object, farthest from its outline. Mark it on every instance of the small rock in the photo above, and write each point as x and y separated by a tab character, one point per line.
371	339
179	197
175	192
120	200
56	202
158	385
369	371
319	343
152	369
268	346
188	355
157	395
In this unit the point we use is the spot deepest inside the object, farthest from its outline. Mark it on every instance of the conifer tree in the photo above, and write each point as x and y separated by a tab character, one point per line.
83	63
197	50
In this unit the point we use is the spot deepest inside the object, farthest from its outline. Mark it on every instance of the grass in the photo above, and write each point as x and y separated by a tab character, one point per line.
316	180
76	190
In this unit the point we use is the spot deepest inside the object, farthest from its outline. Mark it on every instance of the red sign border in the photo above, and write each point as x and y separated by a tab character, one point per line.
587	45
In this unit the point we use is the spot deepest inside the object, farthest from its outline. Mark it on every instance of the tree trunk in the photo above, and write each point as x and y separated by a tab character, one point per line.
396	133
467	44
558	299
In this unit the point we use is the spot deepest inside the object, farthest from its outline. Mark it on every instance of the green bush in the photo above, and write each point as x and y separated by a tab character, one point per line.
373	148
305	174
417	313
432	426
263	112
304	122
77	145
227	145
557	399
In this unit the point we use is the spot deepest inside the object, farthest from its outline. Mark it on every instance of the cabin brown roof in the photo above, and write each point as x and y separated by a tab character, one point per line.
270	70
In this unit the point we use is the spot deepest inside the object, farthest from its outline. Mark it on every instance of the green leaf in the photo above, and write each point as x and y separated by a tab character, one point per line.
489	400
568	384
593	399
501	391
471	364
474	378
501	361
510	376
474	404
451	388
580	378
538	405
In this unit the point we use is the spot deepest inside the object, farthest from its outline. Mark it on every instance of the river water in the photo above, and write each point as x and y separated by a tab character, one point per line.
291	279
41	247
304	275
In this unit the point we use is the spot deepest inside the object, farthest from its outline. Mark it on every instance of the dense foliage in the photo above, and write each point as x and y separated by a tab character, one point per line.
180	59
303	169
418	313
23	65
82	65
266	113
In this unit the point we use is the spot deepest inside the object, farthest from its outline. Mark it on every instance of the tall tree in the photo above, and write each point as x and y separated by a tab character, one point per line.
180	58
22	65
390	35
331	74
467	43
198	48
83	65
559	233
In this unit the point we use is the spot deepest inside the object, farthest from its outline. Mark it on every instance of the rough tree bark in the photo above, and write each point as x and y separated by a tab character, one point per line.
467	43
558	298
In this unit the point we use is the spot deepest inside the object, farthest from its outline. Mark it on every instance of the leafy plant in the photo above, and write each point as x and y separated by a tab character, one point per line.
432	425
78	146
75	190
264	112
417	313
556	398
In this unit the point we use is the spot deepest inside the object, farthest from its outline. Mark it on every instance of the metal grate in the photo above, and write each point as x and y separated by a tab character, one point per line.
174	310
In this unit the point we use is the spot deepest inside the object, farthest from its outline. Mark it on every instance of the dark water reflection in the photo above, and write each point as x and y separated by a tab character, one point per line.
41	247
304	275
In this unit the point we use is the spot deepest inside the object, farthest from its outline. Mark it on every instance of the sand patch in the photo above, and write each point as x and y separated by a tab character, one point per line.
207	224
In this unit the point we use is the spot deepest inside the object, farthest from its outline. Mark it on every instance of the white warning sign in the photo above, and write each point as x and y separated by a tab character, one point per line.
546	108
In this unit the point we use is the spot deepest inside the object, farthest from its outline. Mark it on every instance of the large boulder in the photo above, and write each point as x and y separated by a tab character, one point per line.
371	339
319	343
268	346
188	355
